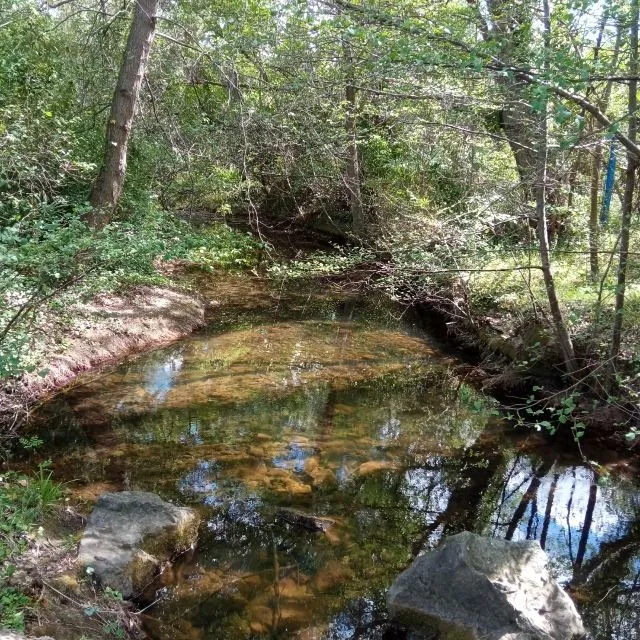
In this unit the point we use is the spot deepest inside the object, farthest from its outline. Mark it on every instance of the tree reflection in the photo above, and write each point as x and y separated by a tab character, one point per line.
365	432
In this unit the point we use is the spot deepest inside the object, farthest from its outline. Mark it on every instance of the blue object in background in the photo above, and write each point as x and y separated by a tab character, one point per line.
608	185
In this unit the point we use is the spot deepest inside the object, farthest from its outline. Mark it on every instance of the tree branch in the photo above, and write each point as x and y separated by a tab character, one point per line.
496	65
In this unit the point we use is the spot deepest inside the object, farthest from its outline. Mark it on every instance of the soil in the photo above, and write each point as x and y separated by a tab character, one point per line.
101	332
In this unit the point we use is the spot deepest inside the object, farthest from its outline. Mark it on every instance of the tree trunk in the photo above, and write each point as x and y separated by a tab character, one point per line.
597	159
540	188
352	169
595	171
547	511
528	496
630	182
586	525
596	163
479	468
509	25
610	563
516	119
506	22
108	185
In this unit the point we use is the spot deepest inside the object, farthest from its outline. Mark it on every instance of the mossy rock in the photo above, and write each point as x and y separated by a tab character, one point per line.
130	534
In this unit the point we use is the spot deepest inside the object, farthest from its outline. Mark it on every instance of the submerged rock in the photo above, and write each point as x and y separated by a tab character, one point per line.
473	588
130	534
320	476
305	521
375	466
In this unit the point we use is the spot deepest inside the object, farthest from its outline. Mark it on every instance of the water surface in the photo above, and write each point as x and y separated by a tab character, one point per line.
332	406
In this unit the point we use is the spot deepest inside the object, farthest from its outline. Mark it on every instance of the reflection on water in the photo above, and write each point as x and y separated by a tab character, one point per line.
345	414
161	378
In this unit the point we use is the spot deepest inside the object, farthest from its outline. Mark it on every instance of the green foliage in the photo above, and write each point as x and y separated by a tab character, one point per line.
23	502
115	629
41	492
112	593
30	443
553	414
53	254
216	247
243	115
335	263
37	101
478	403
12	607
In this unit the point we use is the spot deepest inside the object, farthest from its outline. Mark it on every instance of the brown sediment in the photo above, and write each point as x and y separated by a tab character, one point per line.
375	466
266	359
103	331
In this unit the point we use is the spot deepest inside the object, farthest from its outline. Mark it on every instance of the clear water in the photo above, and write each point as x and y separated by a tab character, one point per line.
333	407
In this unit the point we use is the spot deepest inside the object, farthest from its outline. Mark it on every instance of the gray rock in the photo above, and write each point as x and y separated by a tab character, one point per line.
130	534
474	588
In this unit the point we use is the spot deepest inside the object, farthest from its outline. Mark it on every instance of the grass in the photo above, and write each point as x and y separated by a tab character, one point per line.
587	306
24	500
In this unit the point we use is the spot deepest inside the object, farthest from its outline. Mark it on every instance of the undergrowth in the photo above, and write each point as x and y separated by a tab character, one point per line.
24	500
496	291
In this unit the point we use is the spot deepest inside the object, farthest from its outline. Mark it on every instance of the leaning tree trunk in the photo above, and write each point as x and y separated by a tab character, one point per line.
108	185
540	189
559	325
630	183
505	23
516	120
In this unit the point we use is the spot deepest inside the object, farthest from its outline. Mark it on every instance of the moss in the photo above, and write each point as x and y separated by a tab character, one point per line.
175	539
143	569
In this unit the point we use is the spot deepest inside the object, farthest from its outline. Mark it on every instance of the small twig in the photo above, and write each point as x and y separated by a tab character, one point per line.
67	597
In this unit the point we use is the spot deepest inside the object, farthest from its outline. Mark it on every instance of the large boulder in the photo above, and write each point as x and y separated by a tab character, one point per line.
473	588
130	534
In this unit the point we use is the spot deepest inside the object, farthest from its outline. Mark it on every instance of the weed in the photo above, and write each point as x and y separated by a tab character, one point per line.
115	629
23	501
70	542
31	443
633	434
12	606
112	593
42	492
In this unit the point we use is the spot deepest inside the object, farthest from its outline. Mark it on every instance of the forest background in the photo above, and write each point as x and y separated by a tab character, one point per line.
476	159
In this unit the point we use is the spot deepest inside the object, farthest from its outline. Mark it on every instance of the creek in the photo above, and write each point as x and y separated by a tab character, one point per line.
333	405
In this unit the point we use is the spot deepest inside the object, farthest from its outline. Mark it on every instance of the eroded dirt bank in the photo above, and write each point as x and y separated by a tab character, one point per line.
511	361
103	331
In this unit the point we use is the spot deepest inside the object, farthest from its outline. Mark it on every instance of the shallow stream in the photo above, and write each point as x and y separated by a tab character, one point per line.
333	406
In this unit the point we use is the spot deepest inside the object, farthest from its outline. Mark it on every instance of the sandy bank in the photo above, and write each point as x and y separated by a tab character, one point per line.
101	332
